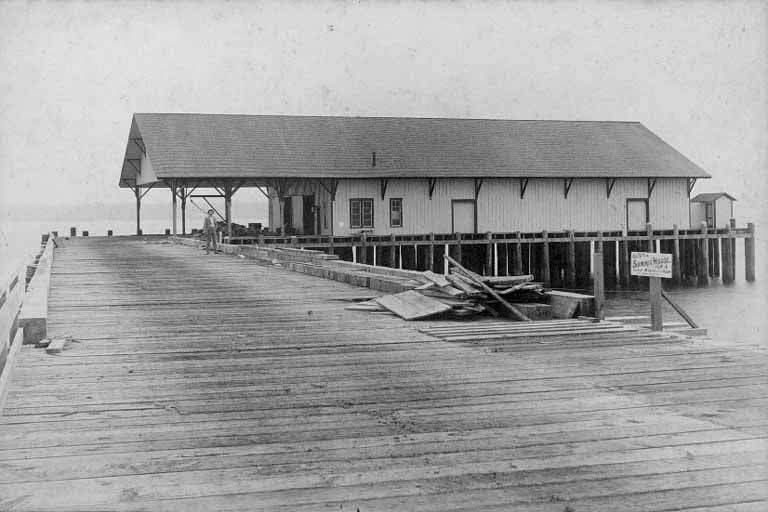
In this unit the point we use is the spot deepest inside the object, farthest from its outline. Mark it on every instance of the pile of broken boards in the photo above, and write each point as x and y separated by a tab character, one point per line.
464	294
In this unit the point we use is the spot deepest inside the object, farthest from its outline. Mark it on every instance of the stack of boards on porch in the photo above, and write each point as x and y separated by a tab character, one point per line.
463	294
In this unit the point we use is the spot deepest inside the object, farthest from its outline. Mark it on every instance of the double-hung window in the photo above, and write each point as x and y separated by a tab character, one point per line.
396	212
361	213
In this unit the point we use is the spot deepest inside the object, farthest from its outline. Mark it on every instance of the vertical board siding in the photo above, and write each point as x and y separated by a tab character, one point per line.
500	208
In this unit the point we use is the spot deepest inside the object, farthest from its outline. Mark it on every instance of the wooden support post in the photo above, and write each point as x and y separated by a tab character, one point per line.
624	263
137	191
431	252
363	257
183	210
571	278
704	257
518	267
545	264
676	255
175	206
489	254
228	208
598	285
392	249
728	257
732	225
330	244
655	296
749	253
458	246
649	234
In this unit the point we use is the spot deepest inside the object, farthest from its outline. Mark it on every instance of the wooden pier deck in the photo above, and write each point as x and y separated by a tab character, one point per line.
200	383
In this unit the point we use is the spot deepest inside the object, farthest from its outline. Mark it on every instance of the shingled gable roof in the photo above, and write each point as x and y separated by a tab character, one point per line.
256	146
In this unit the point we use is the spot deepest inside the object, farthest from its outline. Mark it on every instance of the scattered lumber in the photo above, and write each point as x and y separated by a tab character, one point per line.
462	293
516	313
412	305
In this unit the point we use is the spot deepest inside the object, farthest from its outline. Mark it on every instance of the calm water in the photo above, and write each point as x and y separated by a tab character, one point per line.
736	313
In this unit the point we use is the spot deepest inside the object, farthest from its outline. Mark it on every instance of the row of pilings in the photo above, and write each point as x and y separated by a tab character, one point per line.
559	260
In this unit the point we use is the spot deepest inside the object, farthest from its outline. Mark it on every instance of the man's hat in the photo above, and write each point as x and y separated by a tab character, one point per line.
210	211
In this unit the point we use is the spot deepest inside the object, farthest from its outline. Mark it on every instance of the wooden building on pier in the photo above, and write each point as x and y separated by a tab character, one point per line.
347	175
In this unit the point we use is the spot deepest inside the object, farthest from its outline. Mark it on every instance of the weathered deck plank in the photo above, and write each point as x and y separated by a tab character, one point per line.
215	383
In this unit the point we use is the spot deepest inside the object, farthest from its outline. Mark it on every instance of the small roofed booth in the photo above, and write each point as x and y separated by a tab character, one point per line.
344	176
714	208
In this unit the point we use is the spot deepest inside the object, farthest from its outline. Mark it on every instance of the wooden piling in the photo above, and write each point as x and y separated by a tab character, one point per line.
728	257
392	251
624	263
432	252
714	256
749	253
703	257
676	256
545	257
598	285
571	276
518	266
363	256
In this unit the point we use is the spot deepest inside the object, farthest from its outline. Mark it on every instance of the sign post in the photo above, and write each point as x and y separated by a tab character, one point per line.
654	266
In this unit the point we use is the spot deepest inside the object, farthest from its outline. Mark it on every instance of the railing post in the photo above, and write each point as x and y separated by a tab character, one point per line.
518	266
545	264
624	261
704	260
749	253
363	258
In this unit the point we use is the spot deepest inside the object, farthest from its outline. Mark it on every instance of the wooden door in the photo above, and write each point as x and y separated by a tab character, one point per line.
463	216
637	214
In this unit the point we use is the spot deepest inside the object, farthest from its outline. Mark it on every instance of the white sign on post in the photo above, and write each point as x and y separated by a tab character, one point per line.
651	264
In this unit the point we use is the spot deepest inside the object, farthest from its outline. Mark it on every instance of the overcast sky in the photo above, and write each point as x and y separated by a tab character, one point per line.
71	75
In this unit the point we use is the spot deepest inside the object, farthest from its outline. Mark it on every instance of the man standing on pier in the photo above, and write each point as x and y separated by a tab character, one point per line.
209	230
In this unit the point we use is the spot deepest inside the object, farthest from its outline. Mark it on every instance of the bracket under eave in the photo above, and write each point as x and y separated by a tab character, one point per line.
567	186
651	186
523	186
609	183
432	182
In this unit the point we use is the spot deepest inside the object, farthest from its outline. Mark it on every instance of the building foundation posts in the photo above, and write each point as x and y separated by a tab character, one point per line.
749	253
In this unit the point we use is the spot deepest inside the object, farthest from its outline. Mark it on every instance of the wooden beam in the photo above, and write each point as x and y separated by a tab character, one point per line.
567	186
147	190
691	184
680	310
383	182
140	143
262	191
523	186
651	186
432	182
135	168
478	186
516	313
609	183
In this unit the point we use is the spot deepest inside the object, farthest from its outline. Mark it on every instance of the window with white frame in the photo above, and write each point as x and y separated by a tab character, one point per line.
361	213
396	212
